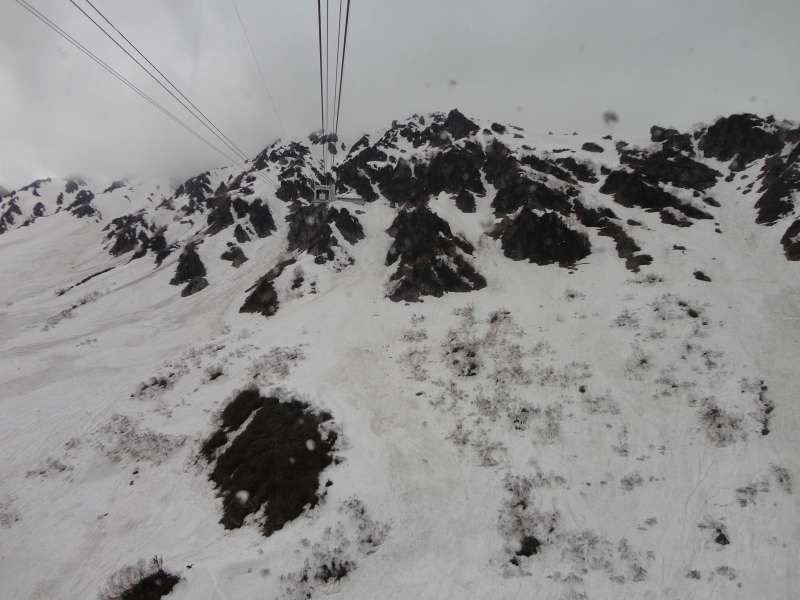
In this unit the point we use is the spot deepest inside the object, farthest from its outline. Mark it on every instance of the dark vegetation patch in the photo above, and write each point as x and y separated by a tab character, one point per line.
743	137
541	238
721	427
699	275
632	189
235	255
263	297
267	457
142	581
430	257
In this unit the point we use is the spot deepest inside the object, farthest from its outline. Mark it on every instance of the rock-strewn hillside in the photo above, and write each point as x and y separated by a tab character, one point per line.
528	365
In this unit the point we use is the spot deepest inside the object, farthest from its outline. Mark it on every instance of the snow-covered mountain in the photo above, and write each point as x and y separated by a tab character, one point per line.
528	366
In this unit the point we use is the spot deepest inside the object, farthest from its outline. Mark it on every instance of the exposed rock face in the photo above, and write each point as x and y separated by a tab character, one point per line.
235	255
669	166
189	267
82	205
542	239
310	229
195	285
791	241
632	189
430	259
780	183
197	189
263	297
744	137
592	147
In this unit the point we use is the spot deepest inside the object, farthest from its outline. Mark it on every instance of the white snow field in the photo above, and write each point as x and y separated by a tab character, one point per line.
584	431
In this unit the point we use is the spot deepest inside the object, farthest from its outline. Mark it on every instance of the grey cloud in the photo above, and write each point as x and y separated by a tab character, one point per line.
543	65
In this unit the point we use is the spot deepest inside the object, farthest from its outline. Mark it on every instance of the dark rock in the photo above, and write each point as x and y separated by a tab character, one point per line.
547	166
310	230
240	234
791	241
235	255
699	275
529	546
430	259
465	202
195	285
115	185
189	266
582	171
604	220
261	218
670	167
498	128
220	216
542	239
459	126
592	147
263	297
780	181
82	205
745	137
631	189
197	189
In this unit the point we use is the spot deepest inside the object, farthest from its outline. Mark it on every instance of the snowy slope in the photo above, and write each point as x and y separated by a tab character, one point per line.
554	370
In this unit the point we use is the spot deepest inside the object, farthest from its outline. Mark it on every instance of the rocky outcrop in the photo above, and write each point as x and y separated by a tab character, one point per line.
541	238
430	259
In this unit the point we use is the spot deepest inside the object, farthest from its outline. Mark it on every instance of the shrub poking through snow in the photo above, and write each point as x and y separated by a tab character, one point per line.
267	456
142	581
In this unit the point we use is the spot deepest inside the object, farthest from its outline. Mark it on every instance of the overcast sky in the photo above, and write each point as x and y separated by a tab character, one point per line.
542	64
